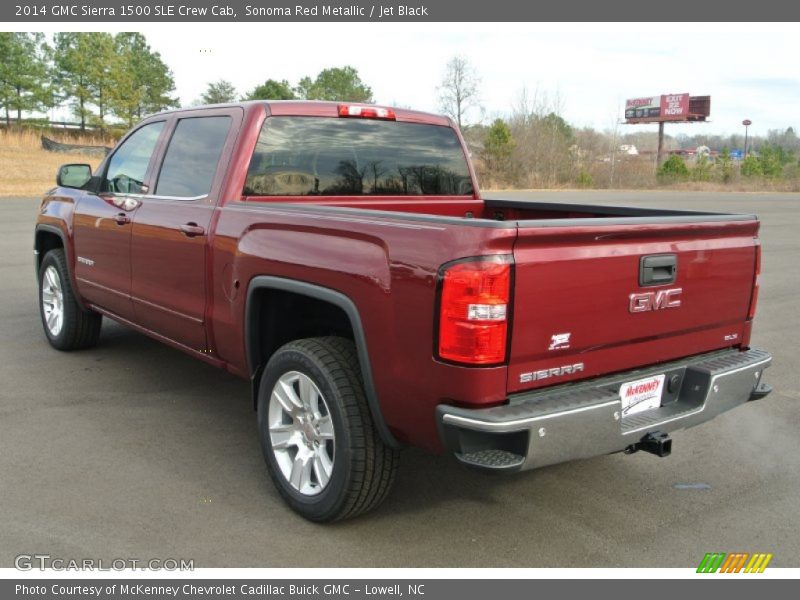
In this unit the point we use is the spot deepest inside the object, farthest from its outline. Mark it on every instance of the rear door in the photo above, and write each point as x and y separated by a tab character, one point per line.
170	230
102	222
591	299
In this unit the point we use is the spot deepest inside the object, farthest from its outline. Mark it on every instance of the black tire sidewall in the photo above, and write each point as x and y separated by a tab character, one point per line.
329	501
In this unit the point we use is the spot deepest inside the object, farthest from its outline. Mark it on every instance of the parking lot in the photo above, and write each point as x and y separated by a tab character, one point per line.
135	450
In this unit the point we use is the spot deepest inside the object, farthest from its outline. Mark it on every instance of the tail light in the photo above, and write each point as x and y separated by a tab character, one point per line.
474	310
366	112
751	312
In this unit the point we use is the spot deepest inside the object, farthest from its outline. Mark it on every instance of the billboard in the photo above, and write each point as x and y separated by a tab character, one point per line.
667	107
643	108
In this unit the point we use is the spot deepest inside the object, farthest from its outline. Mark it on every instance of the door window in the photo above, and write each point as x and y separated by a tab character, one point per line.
192	156
128	166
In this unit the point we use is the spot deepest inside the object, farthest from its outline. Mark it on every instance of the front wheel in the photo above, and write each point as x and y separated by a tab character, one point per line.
321	447
66	325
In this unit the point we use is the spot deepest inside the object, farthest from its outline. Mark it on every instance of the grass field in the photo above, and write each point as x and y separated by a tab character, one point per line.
28	170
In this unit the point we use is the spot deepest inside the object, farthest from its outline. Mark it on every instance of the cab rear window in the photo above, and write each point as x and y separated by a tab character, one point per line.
306	156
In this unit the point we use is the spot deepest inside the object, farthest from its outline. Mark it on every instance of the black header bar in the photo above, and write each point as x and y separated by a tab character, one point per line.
414	11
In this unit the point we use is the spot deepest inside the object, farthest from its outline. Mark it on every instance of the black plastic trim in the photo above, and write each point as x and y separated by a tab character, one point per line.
642	216
617	211
762	390
49	229
648	264
326	295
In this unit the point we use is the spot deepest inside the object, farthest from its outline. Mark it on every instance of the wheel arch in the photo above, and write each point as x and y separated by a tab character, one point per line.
258	356
46	238
50	237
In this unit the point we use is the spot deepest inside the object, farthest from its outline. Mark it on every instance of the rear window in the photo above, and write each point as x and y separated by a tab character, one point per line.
302	156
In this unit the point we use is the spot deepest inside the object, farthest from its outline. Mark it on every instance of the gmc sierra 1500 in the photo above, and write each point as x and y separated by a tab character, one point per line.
341	257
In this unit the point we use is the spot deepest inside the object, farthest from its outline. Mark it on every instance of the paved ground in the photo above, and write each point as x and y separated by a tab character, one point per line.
135	450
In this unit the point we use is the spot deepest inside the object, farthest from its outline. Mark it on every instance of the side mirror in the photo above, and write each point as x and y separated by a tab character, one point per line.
73	176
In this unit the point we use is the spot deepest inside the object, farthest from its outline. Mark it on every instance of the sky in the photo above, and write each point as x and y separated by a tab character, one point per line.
750	70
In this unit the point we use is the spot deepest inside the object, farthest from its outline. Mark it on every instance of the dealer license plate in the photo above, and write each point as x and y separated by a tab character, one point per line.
642	394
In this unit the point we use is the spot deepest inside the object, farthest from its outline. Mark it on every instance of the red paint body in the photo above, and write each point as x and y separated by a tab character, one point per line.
384	254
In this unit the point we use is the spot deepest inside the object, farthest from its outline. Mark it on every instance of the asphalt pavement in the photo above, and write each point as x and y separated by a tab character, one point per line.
135	450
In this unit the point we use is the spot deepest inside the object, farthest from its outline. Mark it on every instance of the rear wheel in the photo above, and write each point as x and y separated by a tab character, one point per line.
66	325
322	450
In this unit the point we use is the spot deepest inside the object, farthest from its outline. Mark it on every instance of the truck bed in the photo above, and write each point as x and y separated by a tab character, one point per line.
577	272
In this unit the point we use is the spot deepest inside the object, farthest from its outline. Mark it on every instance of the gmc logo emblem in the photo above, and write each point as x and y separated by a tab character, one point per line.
647	301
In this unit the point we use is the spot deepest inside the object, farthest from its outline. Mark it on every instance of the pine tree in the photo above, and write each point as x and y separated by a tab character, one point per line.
23	73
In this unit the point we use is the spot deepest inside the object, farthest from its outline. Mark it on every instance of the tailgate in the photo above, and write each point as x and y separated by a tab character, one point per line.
591	299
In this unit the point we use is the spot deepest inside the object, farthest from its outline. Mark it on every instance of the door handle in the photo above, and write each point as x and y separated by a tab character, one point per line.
658	269
192	229
122	219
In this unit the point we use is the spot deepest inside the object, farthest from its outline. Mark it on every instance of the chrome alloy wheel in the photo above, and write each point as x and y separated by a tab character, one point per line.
53	301
301	433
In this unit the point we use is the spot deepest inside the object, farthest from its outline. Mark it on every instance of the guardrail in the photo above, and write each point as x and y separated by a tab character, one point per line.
54	146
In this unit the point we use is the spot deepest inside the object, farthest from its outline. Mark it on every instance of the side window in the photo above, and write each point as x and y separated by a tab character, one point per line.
128	166
192	156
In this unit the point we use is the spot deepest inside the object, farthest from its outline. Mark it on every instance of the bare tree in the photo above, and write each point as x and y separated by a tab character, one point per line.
459	92
545	151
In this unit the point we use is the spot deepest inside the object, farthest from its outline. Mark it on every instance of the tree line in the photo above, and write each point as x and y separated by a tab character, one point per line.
535	147
101	76
336	83
97	74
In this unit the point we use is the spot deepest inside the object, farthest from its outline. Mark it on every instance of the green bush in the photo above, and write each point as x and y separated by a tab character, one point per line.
673	169
724	165
751	166
772	159
585	179
498	146
769	163
701	171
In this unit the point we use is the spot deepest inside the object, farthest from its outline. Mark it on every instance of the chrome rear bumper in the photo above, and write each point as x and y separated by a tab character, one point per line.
585	419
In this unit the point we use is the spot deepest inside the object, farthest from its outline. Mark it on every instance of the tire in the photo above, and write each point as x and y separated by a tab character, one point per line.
66	325
313	417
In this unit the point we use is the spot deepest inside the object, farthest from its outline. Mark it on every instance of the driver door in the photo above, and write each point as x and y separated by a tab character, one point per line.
103	221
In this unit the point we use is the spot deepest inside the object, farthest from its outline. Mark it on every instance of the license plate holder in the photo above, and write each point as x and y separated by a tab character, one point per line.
642	394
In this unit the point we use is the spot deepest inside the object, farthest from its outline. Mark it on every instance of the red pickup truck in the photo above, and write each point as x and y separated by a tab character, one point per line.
341	258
